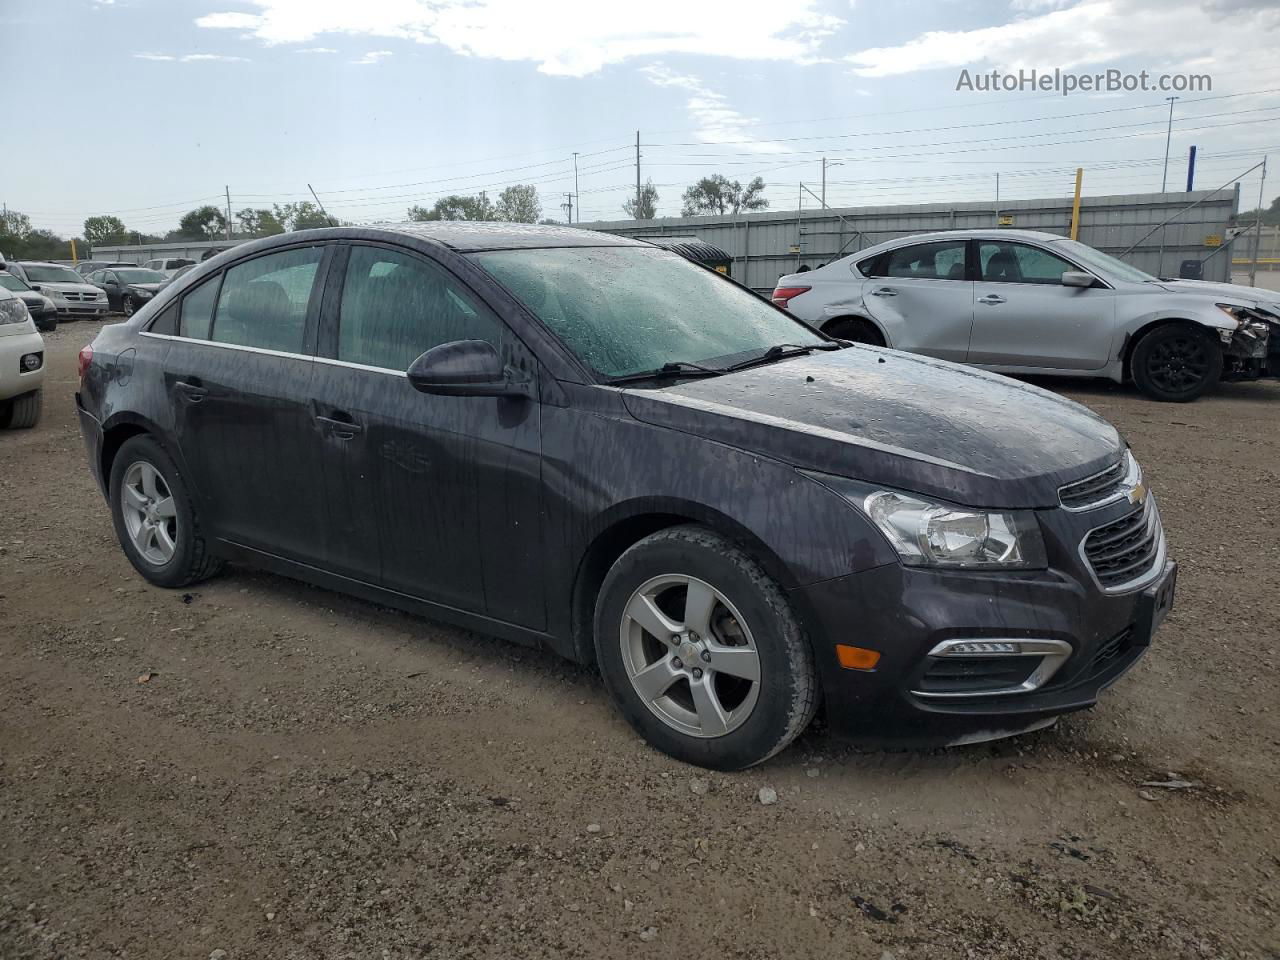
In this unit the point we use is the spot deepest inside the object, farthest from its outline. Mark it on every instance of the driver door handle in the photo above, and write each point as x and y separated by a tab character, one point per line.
884	292
342	429
191	391
993	299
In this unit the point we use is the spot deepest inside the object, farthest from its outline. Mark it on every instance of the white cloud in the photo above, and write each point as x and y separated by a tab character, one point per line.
190	57
717	122
1164	34
316	50
373	56
563	37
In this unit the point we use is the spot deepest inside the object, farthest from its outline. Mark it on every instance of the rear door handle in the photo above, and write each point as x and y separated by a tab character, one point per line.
342	429
884	292
993	299
191	391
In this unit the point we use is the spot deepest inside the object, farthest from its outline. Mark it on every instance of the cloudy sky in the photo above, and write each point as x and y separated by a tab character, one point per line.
145	108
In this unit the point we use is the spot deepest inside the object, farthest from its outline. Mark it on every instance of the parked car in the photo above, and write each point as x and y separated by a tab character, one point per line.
41	308
127	288
1022	302
72	296
182	271
86	267
168	265
580	441
21	364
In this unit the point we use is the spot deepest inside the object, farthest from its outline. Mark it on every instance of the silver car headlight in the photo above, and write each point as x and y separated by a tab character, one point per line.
932	533
13	311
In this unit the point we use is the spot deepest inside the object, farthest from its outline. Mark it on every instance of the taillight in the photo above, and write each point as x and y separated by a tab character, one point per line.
86	358
784	295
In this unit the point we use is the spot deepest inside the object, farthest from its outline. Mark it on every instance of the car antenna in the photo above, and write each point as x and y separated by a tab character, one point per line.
332	222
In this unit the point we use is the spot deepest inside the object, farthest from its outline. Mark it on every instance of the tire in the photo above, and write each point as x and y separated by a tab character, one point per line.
22	413
1176	363
48	326
712	714
179	555
855	330
127	306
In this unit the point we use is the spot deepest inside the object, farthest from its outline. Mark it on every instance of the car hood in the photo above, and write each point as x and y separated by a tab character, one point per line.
905	421
1267	299
68	287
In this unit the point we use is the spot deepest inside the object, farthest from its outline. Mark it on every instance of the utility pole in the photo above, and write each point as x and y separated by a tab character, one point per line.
575	183
997	198
1257	227
1191	169
1075	205
228	189
568	206
1164	180
824	181
637	174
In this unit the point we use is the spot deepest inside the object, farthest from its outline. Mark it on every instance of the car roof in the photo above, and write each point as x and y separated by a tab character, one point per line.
40	263
468	236
987	233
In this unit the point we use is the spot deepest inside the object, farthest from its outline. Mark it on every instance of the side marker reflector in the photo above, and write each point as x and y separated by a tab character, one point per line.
857	658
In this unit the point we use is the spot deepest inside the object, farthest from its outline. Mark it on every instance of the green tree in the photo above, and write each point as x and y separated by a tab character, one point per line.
14	226
644	207
1269	216
19	241
202	223
457	207
104	230
299	216
719	194
519	204
259	223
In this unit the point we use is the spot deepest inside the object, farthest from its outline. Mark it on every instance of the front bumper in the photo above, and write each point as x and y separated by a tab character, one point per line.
82	309
905	613
16	342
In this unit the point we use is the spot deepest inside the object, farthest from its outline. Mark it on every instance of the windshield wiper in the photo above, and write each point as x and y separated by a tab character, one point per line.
675	368
781	351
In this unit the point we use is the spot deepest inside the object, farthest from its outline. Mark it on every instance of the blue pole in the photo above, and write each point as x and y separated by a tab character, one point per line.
1191	169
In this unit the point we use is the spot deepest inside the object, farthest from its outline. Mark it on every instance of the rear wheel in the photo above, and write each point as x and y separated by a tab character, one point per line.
154	517
1176	363
855	330
22	413
701	651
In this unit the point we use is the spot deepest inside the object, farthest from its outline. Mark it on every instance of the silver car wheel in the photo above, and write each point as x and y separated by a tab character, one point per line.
690	656
150	514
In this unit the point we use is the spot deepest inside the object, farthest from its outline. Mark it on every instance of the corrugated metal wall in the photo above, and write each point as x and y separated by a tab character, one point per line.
192	249
765	244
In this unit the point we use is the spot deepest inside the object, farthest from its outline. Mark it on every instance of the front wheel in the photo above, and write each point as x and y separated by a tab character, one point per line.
702	652
127	306
1176	363
47	326
22	413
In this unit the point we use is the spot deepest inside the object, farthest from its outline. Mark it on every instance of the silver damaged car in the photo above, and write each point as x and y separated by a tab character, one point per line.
1023	302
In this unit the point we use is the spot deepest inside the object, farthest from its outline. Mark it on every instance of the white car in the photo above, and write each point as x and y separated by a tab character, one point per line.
21	364
1022	302
72	296
169	265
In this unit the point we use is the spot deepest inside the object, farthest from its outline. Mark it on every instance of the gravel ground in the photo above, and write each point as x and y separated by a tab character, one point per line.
258	768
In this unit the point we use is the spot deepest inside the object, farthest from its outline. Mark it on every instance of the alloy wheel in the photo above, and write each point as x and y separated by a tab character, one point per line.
150	514
690	656
1178	363
126	305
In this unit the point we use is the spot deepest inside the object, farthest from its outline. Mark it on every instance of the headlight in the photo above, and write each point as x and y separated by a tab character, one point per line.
139	293
930	533
1236	313
13	311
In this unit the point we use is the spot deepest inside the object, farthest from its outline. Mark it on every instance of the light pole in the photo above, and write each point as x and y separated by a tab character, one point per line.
575	185
1164	180
827	163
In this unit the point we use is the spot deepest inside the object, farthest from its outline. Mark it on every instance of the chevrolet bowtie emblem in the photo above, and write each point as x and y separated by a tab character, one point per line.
1138	494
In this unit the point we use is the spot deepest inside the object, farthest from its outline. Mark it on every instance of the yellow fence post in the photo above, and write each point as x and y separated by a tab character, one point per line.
73	250
1075	206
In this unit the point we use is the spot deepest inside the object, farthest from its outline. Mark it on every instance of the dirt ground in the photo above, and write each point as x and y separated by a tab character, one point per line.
309	776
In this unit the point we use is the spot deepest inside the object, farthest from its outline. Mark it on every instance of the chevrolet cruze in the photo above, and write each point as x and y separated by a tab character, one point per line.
586	443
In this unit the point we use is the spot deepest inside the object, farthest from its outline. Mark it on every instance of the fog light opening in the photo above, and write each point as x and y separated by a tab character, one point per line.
31	361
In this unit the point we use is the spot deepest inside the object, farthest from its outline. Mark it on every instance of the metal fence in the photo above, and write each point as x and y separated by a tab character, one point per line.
767	245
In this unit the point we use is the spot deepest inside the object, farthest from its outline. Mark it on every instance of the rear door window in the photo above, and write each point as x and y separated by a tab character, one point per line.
395	307
263	302
928	261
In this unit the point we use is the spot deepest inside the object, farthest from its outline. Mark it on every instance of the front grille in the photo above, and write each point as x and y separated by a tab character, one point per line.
1124	550
1093	490
973	675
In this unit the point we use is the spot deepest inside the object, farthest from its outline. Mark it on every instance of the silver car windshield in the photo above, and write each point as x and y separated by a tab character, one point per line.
625	310
1100	262
53	275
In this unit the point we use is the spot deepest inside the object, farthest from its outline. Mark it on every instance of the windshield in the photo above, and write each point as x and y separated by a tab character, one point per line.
1101	262
38	274
140	275
10	282
626	310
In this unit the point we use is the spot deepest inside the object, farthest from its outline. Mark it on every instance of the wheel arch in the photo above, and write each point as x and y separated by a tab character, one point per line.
1131	339
117	431
831	322
625	525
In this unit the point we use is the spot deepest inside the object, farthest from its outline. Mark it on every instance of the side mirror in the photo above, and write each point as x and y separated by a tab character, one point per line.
1073	278
34	286
464	368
